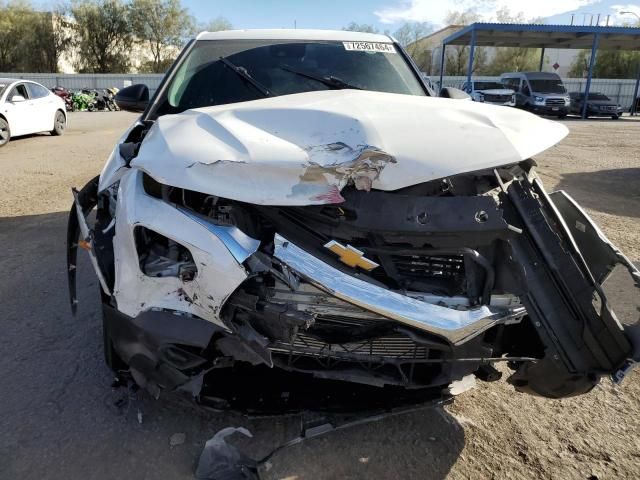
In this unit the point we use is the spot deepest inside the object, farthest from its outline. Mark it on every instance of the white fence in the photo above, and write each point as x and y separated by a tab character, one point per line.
78	81
620	90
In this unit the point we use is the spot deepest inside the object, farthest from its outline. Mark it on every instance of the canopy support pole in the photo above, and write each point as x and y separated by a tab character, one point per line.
634	100
592	61
472	51
442	57
541	59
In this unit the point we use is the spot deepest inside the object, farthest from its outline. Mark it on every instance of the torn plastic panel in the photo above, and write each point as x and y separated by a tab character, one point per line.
136	292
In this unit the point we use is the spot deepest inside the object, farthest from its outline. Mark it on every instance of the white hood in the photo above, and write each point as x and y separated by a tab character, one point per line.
303	149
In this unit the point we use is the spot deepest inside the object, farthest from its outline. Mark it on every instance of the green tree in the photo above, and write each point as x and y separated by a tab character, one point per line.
162	26
103	35
30	41
609	64
408	36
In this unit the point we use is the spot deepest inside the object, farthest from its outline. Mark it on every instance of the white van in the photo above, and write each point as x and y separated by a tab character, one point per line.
539	92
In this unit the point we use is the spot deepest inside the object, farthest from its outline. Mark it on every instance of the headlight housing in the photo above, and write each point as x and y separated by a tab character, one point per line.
538	99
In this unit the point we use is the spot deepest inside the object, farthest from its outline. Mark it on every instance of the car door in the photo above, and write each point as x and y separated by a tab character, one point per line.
18	112
44	106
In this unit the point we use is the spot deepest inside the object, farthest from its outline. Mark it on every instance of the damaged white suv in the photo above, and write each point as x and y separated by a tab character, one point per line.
297	209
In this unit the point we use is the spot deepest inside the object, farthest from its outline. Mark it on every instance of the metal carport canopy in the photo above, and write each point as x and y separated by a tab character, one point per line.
544	36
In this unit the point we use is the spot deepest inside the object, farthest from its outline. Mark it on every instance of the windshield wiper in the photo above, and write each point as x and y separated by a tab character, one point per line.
330	81
243	73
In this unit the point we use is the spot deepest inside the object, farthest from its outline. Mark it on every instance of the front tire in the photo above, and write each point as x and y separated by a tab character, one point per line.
615	117
5	132
59	123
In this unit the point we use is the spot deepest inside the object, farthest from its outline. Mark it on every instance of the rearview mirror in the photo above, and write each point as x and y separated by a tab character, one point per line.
134	98
17	99
455	93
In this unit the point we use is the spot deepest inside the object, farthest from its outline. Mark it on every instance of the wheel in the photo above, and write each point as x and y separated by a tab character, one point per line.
59	123
5	132
615	117
563	115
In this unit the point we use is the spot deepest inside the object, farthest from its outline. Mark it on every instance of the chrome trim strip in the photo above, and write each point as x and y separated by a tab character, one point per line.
457	326
240	245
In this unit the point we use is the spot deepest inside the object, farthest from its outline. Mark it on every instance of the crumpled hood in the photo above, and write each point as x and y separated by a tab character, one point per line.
303	149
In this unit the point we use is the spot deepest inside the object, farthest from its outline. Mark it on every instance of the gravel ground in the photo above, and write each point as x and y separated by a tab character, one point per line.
58	417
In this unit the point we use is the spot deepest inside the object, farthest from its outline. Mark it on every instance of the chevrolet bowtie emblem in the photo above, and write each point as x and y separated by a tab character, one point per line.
351	256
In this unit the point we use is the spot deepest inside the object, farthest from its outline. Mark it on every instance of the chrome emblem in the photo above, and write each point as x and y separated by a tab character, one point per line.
351	256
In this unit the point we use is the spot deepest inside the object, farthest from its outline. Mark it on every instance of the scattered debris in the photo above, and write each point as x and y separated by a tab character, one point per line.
221	461
177	439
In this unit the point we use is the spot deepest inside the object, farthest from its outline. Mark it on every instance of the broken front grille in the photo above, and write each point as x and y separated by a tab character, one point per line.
422	266
395	346
395	356
442	274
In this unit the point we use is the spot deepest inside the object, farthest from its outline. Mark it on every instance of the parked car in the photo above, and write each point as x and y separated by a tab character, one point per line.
538	92
28	107
295	220
599	105
490	92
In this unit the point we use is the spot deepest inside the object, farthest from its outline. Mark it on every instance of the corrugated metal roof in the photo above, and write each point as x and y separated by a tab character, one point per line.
547	36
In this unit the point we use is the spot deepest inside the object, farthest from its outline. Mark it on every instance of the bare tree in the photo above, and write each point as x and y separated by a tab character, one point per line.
409	35
513	59
361	27
218	24
457	59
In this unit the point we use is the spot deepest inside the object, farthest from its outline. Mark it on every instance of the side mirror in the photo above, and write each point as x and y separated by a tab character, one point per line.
134	98
17	99
455	93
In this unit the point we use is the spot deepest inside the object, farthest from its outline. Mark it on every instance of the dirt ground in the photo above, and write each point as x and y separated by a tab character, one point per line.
58	418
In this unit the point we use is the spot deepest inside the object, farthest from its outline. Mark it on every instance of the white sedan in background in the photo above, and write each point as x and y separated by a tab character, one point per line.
28	107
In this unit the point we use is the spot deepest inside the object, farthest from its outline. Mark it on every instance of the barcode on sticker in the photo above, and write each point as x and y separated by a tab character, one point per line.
369	47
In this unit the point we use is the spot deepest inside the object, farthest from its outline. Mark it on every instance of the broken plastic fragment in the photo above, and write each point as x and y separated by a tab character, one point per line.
221	461
464	384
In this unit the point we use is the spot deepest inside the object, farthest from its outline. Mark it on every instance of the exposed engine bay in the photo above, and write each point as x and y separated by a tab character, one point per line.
457	280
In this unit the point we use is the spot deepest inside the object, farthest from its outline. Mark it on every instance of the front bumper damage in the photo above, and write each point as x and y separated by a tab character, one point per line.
254	305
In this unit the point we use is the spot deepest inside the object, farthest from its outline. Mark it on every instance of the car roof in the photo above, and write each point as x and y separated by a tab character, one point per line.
294	34
532	75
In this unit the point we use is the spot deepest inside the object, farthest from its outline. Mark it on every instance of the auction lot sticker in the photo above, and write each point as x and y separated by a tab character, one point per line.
369	47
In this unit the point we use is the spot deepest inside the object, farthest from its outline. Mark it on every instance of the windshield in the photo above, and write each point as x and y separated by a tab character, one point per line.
547	86
488	86
207	76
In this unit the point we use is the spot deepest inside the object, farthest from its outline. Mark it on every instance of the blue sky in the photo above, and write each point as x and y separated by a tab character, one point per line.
391	14
326	14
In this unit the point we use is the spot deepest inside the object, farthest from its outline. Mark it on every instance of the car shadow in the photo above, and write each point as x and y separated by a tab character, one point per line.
622	187
61	415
